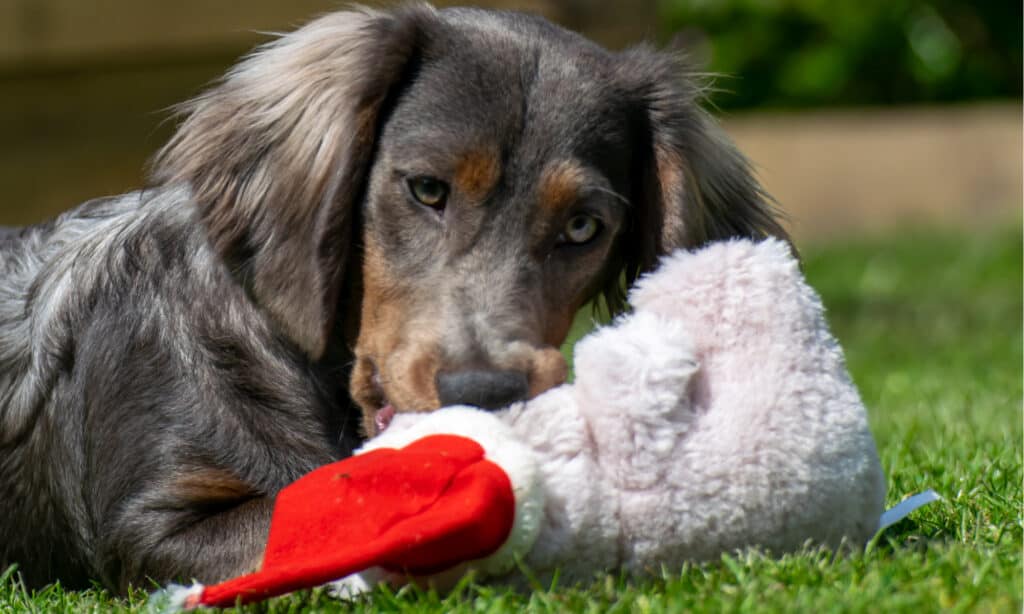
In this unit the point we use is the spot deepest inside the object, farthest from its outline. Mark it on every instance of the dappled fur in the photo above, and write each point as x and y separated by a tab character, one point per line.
140	363
276	155
171	358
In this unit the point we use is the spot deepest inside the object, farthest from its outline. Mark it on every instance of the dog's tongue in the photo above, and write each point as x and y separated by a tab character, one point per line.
383	417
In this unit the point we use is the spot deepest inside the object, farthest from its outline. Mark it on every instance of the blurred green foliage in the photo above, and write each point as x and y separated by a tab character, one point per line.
792	53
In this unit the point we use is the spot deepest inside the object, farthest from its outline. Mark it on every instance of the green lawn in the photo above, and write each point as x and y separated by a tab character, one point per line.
931	322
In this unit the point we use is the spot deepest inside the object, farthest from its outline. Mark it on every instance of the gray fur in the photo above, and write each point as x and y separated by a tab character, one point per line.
171	358
130	358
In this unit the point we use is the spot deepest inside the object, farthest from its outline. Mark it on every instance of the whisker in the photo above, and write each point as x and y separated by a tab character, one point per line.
613	194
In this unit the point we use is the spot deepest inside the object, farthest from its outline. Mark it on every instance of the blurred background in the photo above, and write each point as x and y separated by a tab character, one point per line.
860	115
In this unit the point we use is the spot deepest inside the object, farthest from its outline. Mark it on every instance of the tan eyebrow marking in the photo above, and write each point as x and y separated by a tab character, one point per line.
560	185
477	173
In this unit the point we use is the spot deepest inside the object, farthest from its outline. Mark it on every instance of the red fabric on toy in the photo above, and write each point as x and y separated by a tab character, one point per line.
424	508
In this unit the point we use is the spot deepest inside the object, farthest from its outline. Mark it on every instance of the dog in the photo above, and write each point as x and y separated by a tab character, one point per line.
379	212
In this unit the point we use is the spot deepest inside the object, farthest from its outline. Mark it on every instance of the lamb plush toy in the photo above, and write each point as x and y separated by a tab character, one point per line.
717	416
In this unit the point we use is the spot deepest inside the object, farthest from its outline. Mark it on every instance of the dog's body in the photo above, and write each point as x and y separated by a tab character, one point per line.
406	208
143	391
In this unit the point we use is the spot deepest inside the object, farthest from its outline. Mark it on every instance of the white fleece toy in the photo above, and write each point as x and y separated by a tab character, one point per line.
718	415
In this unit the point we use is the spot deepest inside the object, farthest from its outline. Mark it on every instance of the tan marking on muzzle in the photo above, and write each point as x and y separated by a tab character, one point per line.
396	351
547	370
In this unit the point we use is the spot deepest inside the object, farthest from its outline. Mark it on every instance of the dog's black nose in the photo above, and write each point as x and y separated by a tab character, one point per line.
484	389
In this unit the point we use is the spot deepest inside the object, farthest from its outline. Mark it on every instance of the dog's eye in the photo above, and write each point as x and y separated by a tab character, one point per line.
580	228
429	191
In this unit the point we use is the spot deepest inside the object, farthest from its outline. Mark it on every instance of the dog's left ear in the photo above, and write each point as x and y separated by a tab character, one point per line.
276	156
694	185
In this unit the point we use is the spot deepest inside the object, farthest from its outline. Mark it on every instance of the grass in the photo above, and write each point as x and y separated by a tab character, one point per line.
931	323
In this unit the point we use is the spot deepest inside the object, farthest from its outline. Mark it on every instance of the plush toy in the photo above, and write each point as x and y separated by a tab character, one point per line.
717	416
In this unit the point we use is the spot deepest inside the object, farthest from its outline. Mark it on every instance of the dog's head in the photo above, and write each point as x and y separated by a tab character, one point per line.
472	178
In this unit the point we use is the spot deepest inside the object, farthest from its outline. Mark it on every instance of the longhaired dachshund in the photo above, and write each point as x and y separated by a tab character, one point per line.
379	212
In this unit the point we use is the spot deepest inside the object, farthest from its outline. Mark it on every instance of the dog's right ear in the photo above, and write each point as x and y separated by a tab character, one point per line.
276	155
694	186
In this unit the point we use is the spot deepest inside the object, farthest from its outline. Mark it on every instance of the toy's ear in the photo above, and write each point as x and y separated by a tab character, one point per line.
634	389
644	361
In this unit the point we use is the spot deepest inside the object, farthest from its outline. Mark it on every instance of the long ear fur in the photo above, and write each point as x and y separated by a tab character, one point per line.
697	186
275	156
